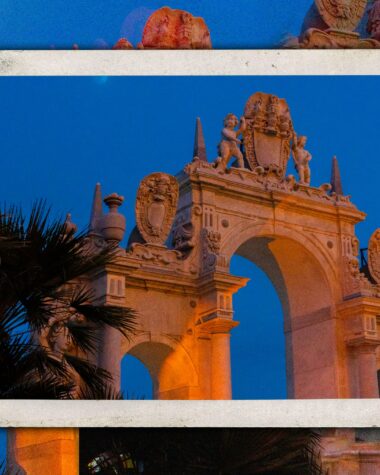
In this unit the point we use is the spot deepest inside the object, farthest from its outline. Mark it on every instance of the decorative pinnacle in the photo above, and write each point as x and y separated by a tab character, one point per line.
96	211
336	182
69	226
199	142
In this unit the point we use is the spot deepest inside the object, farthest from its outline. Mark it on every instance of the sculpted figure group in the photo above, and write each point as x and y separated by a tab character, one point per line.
230	148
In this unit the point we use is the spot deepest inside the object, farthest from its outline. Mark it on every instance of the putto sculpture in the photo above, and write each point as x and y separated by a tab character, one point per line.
301	159
229	146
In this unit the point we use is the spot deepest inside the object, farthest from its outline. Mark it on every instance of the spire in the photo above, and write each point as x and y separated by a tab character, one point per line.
97	209
336	182
199	142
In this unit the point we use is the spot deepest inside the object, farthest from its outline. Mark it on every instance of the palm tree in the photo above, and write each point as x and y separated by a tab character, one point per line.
49	323
201	451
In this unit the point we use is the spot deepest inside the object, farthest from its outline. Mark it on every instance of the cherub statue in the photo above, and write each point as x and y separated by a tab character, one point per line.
229	146
301	159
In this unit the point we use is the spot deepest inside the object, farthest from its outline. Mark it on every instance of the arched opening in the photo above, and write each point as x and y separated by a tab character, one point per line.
136	381
169	366
258	359
303	287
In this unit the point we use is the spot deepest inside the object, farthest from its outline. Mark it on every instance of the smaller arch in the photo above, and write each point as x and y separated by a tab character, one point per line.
170	366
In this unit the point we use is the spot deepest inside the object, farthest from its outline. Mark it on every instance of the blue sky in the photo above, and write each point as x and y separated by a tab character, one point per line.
100	23
59	136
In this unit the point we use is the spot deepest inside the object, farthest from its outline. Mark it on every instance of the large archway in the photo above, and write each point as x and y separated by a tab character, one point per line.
258	362
305	293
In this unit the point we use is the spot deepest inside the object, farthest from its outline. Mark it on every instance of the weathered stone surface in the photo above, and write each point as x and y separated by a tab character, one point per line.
175	29
341	14
332	24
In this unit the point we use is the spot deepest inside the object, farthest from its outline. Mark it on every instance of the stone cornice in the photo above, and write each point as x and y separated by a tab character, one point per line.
231	185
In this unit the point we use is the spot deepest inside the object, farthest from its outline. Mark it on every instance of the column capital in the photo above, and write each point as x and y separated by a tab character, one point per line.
218	325
363	344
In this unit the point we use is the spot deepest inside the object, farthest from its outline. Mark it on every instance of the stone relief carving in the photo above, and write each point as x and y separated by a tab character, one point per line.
175	29
373	25
229	146
354	281
156	255
341	14
211	244
156	205
301	159
374	256
267	134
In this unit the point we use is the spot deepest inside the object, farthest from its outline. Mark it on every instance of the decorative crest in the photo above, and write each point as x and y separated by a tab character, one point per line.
156	206
374	256
268	133
341	14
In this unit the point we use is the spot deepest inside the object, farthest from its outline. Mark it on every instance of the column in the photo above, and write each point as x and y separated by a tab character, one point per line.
367	370
220	328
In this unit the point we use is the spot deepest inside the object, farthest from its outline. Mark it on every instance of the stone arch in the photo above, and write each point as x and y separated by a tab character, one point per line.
169	364
304	277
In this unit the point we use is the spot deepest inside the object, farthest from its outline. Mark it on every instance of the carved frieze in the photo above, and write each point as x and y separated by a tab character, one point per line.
156	255
374	256
268	133
341	14
156	205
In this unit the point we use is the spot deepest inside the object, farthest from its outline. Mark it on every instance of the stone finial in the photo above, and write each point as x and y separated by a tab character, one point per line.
69	226
175	29
96	211
122	43
113	223
199	142
336	182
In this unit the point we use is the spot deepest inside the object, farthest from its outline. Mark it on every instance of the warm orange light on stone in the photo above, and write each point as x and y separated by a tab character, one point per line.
44	451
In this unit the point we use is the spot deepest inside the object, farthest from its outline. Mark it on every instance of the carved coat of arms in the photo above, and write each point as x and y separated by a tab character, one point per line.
268	133
374	256
341	14
156	206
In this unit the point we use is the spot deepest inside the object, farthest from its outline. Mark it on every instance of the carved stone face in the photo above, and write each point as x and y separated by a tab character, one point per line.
302	139
231	121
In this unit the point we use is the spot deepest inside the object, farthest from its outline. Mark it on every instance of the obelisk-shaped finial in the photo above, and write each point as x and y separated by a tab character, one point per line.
199	142
96	211
336	182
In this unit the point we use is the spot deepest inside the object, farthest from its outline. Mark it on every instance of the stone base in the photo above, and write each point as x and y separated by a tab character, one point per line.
43	451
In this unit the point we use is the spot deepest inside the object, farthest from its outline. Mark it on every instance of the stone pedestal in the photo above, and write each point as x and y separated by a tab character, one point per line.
44	451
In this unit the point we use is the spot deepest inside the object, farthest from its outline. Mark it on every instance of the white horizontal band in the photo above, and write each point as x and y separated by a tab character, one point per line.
342	413
190	62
